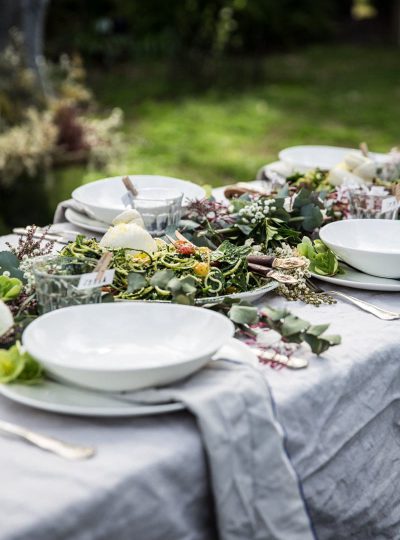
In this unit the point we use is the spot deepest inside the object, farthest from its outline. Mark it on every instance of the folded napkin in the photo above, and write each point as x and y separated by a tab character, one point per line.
256	490
59	214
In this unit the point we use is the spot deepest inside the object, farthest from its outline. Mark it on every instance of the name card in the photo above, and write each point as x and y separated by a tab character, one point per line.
89	280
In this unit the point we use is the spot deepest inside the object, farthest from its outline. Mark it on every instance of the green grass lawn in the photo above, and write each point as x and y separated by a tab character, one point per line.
215	131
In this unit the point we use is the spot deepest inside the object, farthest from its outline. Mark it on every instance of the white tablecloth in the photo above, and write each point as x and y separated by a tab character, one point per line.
149	481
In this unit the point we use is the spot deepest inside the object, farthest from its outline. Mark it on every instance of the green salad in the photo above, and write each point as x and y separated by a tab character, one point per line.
173	271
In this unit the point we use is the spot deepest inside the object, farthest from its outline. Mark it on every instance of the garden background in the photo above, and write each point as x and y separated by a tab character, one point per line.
204	90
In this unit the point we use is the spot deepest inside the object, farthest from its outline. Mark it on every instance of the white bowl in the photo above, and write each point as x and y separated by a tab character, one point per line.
126	346
370	245
306	157
104	197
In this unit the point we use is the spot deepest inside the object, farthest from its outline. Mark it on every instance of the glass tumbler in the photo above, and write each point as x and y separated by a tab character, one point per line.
57	282
160	209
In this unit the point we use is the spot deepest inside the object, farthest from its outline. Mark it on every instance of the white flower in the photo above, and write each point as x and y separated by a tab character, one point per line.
129	216
6	318
129	235
6	273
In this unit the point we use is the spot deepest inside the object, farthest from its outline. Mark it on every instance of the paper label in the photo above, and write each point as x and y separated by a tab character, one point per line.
389	205
89	281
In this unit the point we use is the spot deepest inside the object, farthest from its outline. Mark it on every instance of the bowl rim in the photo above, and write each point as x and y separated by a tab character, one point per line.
48	358
76	192
377	250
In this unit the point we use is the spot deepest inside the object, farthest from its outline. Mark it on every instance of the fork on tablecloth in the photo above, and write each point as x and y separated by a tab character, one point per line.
383	314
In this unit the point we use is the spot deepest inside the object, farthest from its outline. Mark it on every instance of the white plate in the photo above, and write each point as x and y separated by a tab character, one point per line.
358	280
370	245
78	219
59	398
104	197
304	158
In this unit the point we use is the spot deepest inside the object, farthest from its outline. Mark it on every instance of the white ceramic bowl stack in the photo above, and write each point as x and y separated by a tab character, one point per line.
306	157
103	199
126	346
370	245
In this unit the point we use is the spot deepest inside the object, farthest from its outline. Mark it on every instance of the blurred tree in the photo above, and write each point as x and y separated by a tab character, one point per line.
29	17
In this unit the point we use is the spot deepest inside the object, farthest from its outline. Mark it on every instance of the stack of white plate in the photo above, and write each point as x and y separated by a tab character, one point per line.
371	248
112	349
98	203
306	157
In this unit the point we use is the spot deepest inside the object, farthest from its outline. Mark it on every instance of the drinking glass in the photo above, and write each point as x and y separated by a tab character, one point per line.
160	209
373	203
57	282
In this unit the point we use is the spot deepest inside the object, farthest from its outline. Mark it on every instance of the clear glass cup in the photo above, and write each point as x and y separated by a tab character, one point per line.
160	209
57	279
371	203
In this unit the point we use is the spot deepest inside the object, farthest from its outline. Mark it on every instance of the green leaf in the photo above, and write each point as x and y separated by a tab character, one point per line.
162	278
317	330
11	364
302	198
10	288
32	372
321	344
10	263
313	217
243	314
293	325
245	229
136	281
186	285
274	314
188	225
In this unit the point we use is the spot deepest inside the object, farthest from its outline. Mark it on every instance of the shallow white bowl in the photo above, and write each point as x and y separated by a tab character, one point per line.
104	197
126	346
306	157
370	245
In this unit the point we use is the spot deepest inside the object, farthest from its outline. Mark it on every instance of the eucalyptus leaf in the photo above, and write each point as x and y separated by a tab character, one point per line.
293	325
162	278
317	330
184	285
10	263
136	281
313	217
243	314
274	314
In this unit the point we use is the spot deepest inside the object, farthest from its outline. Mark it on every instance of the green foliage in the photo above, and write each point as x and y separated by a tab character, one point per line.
10	288
291	328
115	29
16	365
322	260
10	263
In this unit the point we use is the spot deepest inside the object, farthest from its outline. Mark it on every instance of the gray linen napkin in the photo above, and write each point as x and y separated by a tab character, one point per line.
59	214
256	490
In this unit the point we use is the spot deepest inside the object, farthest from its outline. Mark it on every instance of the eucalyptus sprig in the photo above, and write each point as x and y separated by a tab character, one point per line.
291	328
269	221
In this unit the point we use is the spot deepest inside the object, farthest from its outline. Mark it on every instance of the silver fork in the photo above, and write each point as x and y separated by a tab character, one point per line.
365	306
61	448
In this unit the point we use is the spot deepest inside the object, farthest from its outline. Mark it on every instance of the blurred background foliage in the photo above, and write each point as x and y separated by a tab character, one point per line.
210	90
